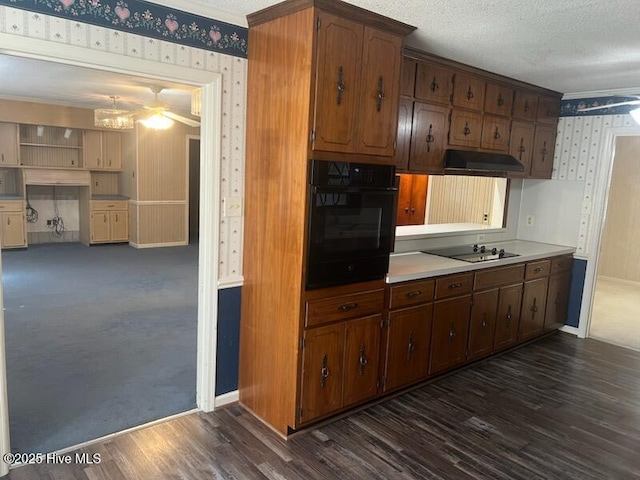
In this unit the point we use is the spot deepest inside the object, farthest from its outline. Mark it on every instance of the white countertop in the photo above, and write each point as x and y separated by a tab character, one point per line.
416	265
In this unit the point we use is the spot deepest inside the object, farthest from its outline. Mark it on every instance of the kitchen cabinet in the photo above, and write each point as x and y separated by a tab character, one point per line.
558	293
428	138
102	150
412	199
544	143
109	221
465	129
548	110
498	99
525	106
403	142
8	144
361	356
534	300
434	84
13	232
357	85
508	317
468	91
495	133
407	77
521	146
482	326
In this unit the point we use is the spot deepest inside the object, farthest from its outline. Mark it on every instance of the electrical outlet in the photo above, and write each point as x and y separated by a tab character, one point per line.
48	223
232	206
530	221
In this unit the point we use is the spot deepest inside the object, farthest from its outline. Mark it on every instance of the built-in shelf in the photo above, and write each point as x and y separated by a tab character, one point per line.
74	147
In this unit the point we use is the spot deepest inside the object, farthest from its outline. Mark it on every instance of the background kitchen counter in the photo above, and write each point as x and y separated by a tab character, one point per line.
416	265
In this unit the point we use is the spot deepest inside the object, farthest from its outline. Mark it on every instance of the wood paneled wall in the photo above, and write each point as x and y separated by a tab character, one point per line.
161	223
619	253
104	183
11	181
127	179
460	199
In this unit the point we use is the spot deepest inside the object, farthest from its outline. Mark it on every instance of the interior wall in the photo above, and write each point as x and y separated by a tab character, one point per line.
619	254
41	199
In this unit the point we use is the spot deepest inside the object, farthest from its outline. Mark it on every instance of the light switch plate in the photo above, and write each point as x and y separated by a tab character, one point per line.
232	206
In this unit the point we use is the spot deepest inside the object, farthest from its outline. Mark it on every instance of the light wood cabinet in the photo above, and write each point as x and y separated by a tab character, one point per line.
8	144
102	150
13	233
109	221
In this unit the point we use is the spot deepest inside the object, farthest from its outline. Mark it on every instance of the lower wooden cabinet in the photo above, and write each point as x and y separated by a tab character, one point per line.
534	300
412	199
13	232
508	317
450	333
361	355
482	326
557	301
109	222
408	343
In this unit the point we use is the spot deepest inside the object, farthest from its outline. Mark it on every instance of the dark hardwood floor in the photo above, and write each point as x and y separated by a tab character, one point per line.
559	408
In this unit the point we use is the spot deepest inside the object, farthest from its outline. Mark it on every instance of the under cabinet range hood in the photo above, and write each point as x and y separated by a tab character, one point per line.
481	162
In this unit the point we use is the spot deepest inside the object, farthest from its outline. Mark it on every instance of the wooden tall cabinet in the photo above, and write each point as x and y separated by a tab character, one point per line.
8	144
323	81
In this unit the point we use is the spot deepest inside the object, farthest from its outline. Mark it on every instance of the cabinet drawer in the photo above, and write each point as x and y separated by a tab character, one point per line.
109	205
354	305
11	206
411	293
454	285
537	269
499	276
561	264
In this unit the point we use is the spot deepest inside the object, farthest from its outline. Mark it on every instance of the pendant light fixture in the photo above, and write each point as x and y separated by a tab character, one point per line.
113	117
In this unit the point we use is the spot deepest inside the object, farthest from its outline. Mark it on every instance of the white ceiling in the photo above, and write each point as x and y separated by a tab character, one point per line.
572	46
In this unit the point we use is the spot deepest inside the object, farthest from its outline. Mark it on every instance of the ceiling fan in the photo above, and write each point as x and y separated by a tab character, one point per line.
157	115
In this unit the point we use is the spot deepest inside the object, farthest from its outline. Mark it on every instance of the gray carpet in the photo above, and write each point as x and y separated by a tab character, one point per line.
98	338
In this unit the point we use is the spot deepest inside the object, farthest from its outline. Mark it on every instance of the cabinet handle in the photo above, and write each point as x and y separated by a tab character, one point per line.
509	316
109	162
538	269
469	93
8	221
544	151
3	158
380	96
452	333
104	218
466	130
430	138
500	100
434	85
324	372
362	361
521	148
340	87
496	134
348	306
411	347
116	218
455	285
526	106
98	161
406	210
534	307
484	321
414	293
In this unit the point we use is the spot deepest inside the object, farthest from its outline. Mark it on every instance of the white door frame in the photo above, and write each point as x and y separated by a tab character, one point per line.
599	211
210	154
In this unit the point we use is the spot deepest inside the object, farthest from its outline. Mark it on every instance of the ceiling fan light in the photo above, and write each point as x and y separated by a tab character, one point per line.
635	114
157	122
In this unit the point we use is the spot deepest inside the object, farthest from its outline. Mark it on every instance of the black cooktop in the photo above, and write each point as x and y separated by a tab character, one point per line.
472	253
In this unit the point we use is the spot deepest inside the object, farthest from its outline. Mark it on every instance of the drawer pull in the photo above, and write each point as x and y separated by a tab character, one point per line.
538	269
110	206
455	285
362	361
509	316
348	306
324	372
414	293
534	307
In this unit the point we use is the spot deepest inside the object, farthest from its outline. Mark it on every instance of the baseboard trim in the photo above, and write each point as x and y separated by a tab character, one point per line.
156	245
227	398
88	443
231	282
571	330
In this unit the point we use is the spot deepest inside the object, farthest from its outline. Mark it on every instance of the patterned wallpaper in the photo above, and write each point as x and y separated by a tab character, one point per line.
62	32
569	108
578	150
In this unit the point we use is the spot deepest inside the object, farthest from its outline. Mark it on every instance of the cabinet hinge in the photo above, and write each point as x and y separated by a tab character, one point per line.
318	23
312	137
395	145
302	342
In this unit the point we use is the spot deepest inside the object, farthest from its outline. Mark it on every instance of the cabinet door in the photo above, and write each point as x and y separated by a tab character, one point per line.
483	323
450	333
468	92
119	226
534	300
337	83
378	108
405	114
8	144
498	100
100	225
525	106
408	346
521	146
428	138
434	84
13	227
418	207
112	143
465	129
508	317
495	133
361	355
548	110
407	76
557	301
322	358
403	213
544	143
92	151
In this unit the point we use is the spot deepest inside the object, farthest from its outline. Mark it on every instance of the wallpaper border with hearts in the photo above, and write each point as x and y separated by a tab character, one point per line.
569	108
146	19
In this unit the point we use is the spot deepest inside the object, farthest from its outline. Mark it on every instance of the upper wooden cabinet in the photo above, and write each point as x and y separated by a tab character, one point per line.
495	133
521	145
102	150
468	91
357	87
548	110
498	99
433	83
544	144
8	144
428	137
525	106
465	129
407	77
403	142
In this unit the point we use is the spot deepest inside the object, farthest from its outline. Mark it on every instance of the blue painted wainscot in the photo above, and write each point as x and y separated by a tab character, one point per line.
227	357
578	272
146	19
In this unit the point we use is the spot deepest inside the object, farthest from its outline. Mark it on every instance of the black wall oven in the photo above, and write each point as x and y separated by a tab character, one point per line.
351	222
